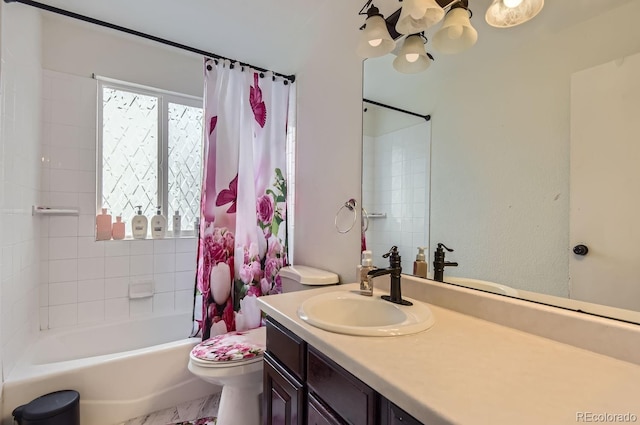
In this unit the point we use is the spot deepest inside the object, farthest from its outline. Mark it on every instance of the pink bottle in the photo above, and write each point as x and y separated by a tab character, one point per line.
103	226
118	228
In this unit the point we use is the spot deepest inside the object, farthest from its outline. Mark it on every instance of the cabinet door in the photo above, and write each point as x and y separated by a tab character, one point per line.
283	396
393	415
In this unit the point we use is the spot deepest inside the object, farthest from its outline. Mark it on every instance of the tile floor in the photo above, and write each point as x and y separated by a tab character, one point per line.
189	411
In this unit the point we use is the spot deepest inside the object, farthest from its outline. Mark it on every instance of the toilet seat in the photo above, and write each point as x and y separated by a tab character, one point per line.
230	350
210	364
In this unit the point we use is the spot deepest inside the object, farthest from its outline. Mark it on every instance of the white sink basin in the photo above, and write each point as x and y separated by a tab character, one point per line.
350	313
483	285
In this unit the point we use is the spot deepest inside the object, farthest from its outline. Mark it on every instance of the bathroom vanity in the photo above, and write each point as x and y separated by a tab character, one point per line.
302	385
463	370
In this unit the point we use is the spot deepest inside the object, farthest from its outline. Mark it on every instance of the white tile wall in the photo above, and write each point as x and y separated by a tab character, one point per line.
85	280
20	114
395	181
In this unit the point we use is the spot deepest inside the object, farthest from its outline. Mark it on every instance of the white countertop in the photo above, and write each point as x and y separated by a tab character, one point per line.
470	371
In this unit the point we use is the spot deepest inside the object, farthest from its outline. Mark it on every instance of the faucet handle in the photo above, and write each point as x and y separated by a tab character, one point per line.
441	245
392	251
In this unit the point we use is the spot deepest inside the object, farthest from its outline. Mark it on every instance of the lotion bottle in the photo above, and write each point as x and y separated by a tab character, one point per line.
118	229
158	225
103	226
177	224
420	266
139	225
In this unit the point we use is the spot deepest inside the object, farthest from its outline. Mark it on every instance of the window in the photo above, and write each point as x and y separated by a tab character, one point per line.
149	153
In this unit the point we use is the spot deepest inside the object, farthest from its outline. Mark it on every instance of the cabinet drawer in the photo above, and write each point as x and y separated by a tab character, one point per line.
317	414
393	415
287	348
350	398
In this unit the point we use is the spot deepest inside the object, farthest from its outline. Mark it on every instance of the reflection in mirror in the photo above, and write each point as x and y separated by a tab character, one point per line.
517	121
395	182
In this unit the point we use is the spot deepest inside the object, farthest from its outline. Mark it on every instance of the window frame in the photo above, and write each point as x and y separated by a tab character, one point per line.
164	98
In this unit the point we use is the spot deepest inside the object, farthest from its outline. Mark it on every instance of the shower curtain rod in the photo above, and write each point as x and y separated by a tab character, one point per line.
415	114
94	21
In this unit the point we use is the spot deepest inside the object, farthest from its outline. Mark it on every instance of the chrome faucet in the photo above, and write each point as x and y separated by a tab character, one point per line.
439	264
395	269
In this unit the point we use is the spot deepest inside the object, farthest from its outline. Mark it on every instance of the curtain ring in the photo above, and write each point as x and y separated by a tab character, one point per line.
351	205
365	220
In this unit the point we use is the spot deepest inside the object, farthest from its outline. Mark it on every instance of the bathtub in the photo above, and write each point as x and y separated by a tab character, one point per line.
121	369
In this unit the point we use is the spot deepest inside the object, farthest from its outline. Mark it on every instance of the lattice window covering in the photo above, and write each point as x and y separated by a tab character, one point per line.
151	147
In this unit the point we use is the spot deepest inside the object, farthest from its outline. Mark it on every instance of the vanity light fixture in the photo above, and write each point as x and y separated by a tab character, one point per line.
418	15
375	39
413	57
413	18
509	13
456	34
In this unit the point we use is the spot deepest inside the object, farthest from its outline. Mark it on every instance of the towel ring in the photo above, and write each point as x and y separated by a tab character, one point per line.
365	220
350	205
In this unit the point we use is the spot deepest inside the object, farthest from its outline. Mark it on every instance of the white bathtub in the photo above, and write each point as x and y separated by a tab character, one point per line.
121	370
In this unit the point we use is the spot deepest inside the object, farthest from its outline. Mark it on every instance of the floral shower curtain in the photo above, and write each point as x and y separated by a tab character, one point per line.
243	241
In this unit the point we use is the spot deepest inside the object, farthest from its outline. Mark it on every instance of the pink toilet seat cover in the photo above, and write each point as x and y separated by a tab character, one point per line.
229	347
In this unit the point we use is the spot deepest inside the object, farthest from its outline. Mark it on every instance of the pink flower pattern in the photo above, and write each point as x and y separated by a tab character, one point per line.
225	307
232	346
264	208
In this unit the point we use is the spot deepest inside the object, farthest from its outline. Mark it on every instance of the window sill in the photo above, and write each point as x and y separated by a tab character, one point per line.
129	238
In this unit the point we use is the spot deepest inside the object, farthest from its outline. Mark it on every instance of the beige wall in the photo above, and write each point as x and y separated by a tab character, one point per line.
329	141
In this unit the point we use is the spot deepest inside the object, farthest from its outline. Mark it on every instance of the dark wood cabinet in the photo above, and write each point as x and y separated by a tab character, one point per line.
319	414
282	397
393	415
346	395
303	386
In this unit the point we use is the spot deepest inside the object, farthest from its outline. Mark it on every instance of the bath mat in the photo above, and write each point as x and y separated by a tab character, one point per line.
203	421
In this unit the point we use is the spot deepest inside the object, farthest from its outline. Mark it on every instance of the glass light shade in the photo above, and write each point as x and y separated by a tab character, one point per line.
500	15
456	34
375	40
412	57
418	15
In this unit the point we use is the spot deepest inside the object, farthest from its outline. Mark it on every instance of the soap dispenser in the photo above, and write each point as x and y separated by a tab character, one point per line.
158	225
103	226
118	228
420	266
365	266
139	224
177	224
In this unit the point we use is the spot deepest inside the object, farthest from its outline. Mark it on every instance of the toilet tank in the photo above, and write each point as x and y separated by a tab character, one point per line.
296	278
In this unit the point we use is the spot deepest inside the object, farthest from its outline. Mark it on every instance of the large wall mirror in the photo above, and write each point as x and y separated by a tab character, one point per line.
534	150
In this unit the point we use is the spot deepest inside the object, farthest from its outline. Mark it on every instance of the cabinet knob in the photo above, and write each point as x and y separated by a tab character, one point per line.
580	249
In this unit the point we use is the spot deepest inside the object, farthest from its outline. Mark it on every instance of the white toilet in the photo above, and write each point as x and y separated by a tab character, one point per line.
298	278
234	360
219	361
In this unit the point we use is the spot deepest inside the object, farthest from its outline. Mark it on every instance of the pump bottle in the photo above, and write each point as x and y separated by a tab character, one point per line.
420	266
158	225
365	266
139	225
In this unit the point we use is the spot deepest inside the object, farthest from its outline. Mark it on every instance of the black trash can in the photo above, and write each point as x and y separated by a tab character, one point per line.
58	408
